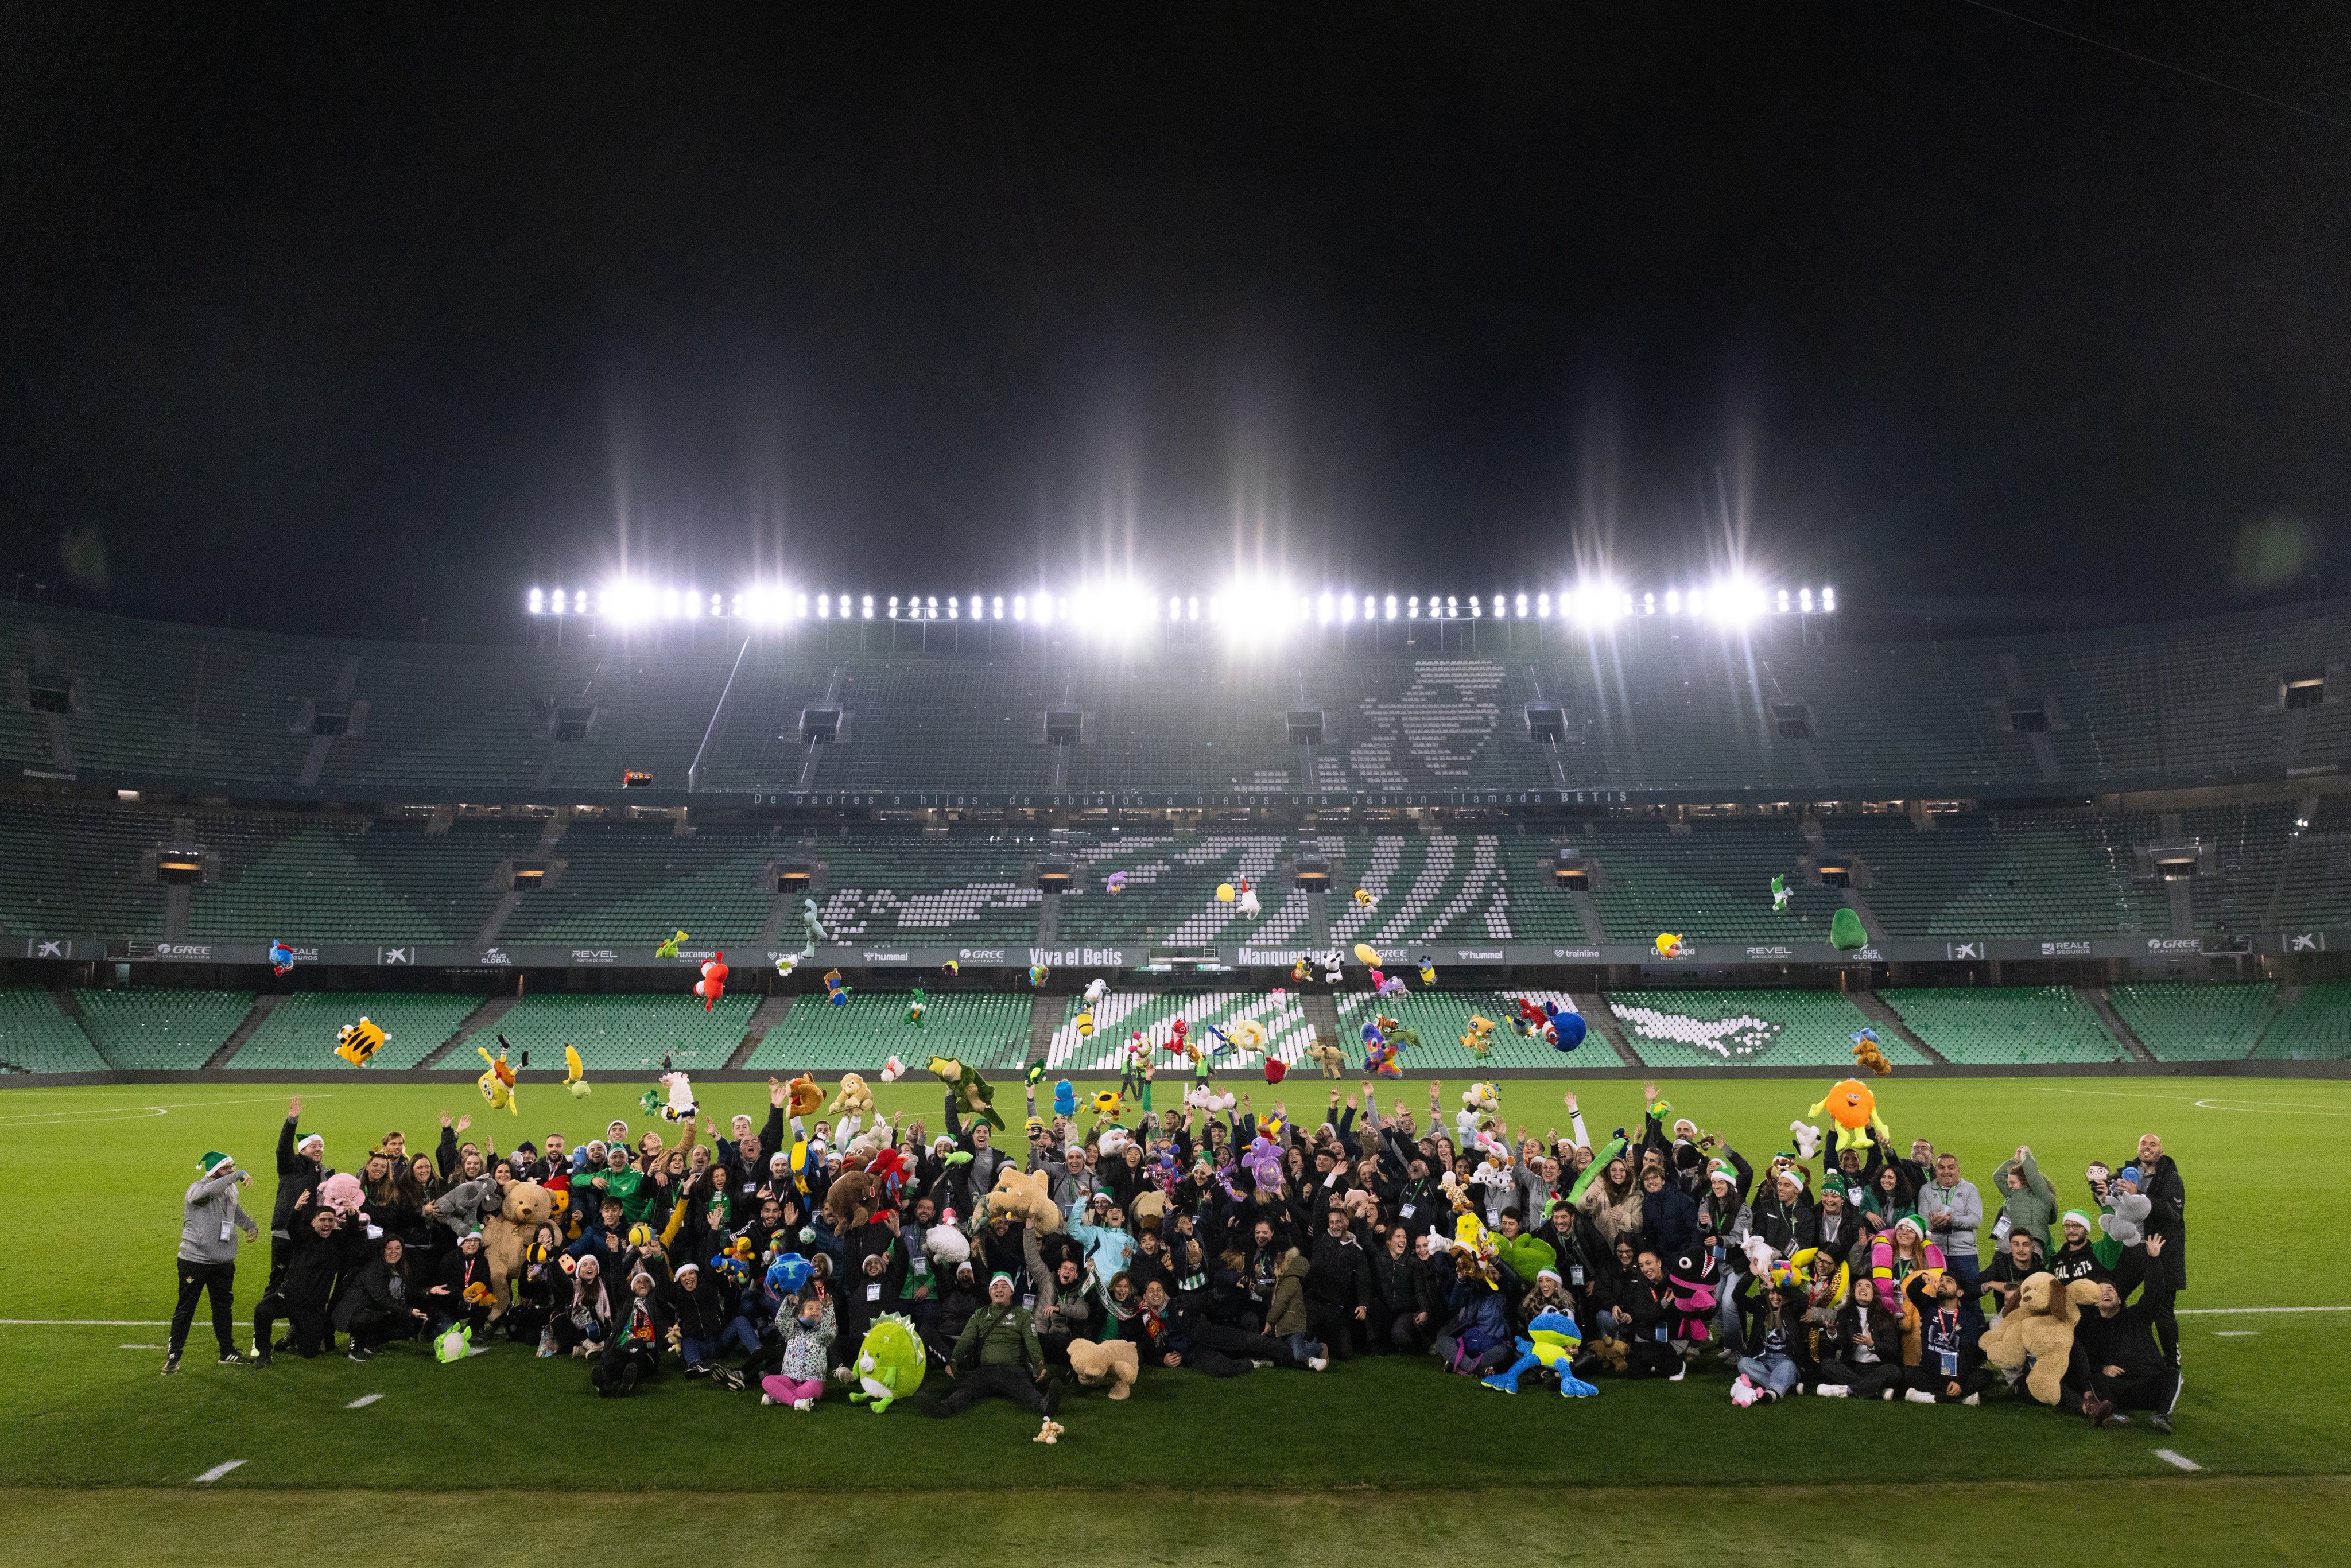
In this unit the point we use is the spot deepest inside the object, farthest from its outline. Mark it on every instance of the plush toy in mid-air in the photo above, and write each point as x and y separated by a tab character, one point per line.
1552	1339
1326	1055
786	963
668	949
1480	1040
1105	1101
1780	894
1084	1024
281	958
1427	970
712	984
835	991
974	1094
1203	1098
497	1080
1276	1070
788	1274
811	927
1854	1108
893	1070
1114	883
357	1042
1867	1053
802	1096
1386	984
456	1344
342	1193
854	1099
1845	932
1065	1098
1037	974
916	1005
1098	1363
575	1072
1567	1027
889	1363
1532	1020
1808	1139
1669	945
1301	971
1364	899
672	1102
1366	955
1247	901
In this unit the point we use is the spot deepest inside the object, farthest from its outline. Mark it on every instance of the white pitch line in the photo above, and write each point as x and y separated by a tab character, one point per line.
2236	1333
143	1347
363	1401
2248	1311
127	1113
2172	1456
87	1323
215	1473
2224	1102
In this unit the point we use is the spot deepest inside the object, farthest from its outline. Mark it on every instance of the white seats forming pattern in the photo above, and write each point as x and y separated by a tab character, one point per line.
1731	1038
1443	721
1121	1013
851	911
1403	917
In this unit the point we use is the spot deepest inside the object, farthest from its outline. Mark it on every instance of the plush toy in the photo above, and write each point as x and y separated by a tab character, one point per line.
1246	1038
1481	1105
916	1005
1098	1363
1854	1108
1552	1339
2039	1330
1845	933
357	1042
1808	1139
507	1236
948	1245
1051	1432
975	1093
1692	1280
712	984
1037	974
835	991
1096	989
342	1193
1248	905
1065	1098
497	1080
854	1099
889	1363
456	1344
575	1072
1084	1024
1867	1053
1527	1254
1480	1040
1780	894
893	1070
1300	972
1276	1070
1366	954
1669	945
1364	899
281	958
1105	1102
788	1274
668	949
804	1096
2126	1218
849	1201
1262	1160
1026	1197
1327	1055
1380	1060
1567	1029
677	1104
1203	1098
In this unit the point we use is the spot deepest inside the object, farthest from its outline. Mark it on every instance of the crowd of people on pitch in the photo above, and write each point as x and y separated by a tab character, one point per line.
1226	1244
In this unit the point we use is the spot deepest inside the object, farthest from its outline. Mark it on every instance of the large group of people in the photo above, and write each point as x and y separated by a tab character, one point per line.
1225	1243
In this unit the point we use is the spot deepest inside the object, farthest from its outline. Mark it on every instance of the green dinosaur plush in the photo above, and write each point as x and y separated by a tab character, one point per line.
1526	1256
889	1363
971	1092
1845	933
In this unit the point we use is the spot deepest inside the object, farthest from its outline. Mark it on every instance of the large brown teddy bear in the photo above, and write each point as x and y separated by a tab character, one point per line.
1026	1198
505	1234
1097	1362
2039	1327
849	1201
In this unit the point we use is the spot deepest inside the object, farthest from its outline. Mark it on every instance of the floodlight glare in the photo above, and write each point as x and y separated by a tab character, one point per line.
692	603
868	607
996	608
1804	599
1828	599
1735	602
1673	602
1347	608
1392	606
1522	606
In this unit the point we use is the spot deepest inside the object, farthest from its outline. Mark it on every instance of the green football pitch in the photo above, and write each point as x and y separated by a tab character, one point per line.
105	1455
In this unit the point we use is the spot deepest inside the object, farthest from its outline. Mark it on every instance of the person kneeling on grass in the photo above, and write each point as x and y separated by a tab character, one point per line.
301	1293
1773	1370
633	1352
996	1355
376	1308
1949	1368
2116	1364
1166	1335
1861	1351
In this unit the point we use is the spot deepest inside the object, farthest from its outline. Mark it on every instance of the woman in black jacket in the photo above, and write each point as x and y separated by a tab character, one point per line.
1860	1354
377	1307
301	1297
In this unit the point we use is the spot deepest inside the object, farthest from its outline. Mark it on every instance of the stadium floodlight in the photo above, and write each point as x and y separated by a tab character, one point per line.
1828	599
1192	608
1021	607
1324	609
1673	602
1114	609
931	608
1804	599
537	601
952	608
996	608
1734	602
738	604
1522	606
628	601
1784	601
1542	606
1596	601
692	603
559	602
824	606
868	607
1414	605
1347	608
1648	603
1392	606
1696	603
894	607
1452	608
1255	610
1474	611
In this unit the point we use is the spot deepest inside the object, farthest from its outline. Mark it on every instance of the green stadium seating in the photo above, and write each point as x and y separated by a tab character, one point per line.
1540	910
1712	883
1749	1029
146	1028
2181	1021
1121	1013
2314	1026
918	889
1171	891
628	1035
69	871
35	1037
350	880
1442	1017
1998	1026
987	1032
635	884
2045	874
298	1034
1427	890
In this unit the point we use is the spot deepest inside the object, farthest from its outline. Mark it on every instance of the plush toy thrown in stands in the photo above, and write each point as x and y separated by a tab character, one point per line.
2040	1330
1854	1108
1105	1102
281	958
1246	1038
1427	970
497	1080
972	1092
889	1363
1386	984
1026	1197
1364	899
1567	1027
668	949
1552	1339
2125	1218
1037	974
1276	1070
952	967
788	1274
1780	894
712	984
1479	1039
1669	945
1845	932
835	991
854	1099
811	927
805	1097
672	1102
1326	1055
1203	1098
357	1042
1084	1024
575	1072
1808	1139
1301	971
786	963
1867	1053
916	1005
893	1070
1065	1098
1114	883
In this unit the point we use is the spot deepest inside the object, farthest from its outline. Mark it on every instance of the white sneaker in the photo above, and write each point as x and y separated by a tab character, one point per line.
1680	1372
1317	1362
767	1399
1890	1394
1918	1397
1833	1391
803	1405
1972	1399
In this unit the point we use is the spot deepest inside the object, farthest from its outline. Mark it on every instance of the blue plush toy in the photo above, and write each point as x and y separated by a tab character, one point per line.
1065	1098
1554	1341
789	1273
1567	1029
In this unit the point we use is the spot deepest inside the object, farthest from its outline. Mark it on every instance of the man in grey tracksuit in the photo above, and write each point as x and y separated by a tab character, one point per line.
1952	1210
208	1256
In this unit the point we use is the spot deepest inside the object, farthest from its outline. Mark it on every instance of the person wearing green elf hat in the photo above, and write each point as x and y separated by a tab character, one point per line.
207	1261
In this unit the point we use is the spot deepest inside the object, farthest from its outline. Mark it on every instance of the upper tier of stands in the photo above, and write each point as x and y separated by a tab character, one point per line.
1667	705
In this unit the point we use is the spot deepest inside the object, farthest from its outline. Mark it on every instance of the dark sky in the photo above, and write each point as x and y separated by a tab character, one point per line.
344	317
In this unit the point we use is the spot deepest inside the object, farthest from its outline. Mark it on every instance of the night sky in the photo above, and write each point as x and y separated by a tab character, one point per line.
341	319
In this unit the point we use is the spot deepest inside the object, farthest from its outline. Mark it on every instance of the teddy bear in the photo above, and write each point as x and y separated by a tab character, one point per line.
1026	1198
506	1233
805	1095
1097	1362
854	1099
1327	1055
2128	1221
849	1201
2039	1329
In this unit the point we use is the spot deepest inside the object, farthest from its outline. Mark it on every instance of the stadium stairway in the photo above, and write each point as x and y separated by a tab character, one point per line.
1888	1019
1045	1014
1598	1014
2103	1004
767	1016
263	1005
483	1020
